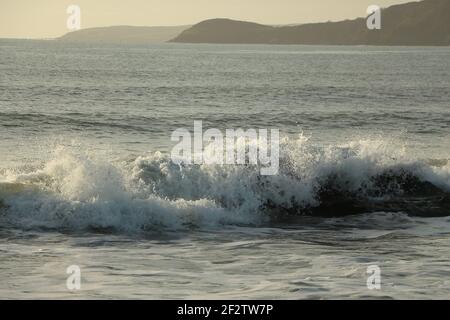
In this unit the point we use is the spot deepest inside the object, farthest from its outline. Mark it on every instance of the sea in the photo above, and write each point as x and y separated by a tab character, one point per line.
359	208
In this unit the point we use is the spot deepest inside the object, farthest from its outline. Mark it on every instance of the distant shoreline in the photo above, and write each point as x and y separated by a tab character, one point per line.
55	40
424	23
413	24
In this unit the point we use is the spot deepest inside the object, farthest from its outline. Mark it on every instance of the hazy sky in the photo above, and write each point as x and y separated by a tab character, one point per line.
47	18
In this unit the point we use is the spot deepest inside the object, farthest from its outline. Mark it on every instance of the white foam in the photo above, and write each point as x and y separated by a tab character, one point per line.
78	190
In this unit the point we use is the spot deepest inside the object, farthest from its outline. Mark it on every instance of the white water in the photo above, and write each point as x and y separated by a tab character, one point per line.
75	190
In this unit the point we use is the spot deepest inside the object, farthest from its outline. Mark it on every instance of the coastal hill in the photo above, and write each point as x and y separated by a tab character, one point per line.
416	23
123	35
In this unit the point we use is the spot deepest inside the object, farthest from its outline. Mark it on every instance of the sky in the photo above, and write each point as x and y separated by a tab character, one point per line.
47	18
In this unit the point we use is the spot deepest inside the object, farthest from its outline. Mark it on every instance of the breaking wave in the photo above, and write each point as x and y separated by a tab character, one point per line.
78	190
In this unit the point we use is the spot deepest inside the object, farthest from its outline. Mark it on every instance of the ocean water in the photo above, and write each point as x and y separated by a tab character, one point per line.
86	178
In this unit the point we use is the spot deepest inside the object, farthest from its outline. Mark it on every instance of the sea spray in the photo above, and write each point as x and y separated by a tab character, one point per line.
79	190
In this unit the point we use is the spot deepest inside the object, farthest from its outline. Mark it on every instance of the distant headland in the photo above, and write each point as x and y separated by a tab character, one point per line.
424	23
415	23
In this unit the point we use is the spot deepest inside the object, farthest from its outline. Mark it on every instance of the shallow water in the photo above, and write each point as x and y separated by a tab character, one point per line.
310	260
85	178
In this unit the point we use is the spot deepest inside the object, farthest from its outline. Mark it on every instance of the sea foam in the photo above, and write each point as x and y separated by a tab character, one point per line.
79	190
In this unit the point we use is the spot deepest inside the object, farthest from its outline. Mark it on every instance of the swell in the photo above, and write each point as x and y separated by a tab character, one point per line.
139	123
78	190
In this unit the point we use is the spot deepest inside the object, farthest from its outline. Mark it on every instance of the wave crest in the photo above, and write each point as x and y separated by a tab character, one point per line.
79	190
